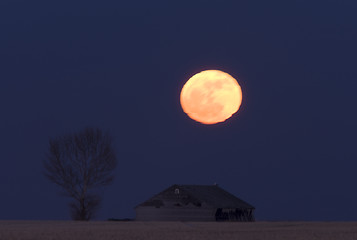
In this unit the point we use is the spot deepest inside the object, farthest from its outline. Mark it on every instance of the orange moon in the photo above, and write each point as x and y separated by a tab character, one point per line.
211	96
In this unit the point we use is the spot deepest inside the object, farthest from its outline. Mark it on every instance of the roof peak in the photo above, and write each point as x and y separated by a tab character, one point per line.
198	185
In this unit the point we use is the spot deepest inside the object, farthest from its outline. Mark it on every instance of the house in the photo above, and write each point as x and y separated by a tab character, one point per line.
194	203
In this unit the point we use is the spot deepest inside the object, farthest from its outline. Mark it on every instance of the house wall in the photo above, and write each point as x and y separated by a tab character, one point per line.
174	214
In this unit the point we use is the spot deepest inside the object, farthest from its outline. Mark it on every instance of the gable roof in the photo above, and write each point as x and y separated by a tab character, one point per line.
212	195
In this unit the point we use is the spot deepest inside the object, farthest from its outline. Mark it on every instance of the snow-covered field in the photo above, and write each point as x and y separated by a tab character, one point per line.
67	230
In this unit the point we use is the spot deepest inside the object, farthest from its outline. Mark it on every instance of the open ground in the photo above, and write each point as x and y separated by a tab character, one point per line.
53	230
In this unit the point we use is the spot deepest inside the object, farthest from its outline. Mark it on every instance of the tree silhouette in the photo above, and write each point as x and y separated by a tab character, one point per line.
81	163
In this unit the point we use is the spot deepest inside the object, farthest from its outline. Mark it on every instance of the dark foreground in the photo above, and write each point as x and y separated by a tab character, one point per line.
44	230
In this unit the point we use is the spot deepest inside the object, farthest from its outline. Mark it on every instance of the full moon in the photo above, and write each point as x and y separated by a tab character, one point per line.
211	96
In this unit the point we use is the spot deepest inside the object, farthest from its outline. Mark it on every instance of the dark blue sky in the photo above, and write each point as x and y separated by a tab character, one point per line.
290	151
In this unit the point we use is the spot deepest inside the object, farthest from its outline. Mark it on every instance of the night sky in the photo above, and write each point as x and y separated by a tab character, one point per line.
290	151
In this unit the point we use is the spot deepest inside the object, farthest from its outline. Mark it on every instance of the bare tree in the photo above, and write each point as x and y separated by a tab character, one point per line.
81	163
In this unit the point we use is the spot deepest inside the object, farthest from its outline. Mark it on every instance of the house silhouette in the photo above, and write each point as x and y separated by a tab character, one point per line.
194	203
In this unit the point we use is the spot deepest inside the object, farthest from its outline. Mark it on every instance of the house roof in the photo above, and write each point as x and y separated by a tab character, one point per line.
215	196
212	195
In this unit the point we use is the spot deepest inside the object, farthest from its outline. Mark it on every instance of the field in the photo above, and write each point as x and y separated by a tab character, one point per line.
53	230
